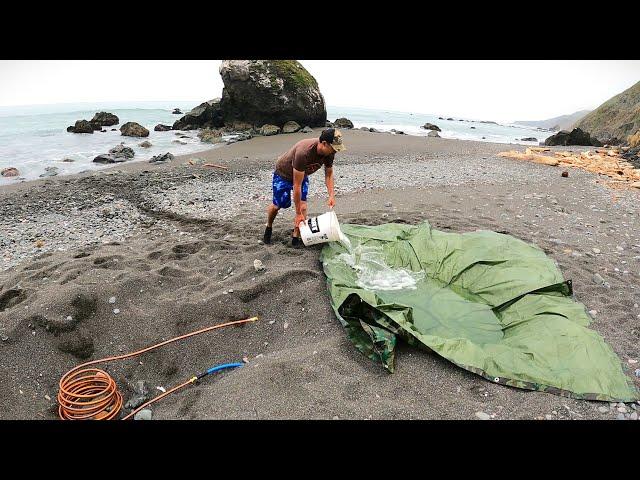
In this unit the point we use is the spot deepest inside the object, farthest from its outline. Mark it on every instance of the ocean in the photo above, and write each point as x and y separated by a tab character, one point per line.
33	138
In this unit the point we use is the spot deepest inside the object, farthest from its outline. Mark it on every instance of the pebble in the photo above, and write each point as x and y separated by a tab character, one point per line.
112	299
258	265
593	313
632	361
596	250
483	415
603	409
116	311
143	415
637	371
5	338
69	318
597	278
633	416
285	326
621	417
622	409
47	397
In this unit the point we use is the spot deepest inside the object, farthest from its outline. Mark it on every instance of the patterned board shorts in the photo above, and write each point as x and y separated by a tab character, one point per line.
282	190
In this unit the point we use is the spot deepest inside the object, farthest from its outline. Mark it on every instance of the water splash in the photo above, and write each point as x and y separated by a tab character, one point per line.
373	273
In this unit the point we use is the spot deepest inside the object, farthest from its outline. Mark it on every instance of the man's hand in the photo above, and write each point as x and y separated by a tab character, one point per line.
299	218
331	202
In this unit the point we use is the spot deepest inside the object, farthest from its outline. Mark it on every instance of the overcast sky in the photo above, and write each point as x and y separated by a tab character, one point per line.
477	89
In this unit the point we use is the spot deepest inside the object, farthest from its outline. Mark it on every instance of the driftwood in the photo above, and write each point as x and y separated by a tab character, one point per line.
214	165
601	161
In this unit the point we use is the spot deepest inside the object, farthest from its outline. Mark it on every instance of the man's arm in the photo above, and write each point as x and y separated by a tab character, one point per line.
298	177
328	180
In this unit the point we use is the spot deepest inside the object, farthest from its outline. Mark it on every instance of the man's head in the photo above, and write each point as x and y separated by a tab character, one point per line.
330	142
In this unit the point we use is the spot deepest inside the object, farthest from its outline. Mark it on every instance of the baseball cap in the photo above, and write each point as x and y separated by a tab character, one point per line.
334	138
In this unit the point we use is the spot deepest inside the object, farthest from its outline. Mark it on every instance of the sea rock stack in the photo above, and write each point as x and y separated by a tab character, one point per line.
259	92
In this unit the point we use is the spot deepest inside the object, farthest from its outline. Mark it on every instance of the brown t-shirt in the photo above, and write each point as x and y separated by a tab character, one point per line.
302	156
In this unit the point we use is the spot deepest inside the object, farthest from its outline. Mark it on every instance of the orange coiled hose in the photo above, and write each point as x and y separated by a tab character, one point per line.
90	393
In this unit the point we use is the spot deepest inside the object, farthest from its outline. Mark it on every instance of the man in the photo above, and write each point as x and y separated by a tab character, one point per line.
292	173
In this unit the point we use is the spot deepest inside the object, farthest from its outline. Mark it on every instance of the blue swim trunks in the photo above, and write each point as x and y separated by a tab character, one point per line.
282	190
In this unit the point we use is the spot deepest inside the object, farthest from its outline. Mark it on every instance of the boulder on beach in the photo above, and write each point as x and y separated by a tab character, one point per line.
434	134
105	119
162	128
307	129
10	172
205	115
269	130
529	139
270	92
146	144
210	135
133	129
328	124
574	137
50	172
109	158
81	126
449	118
290	127
165	157
343	123
176	111
431	126
122	151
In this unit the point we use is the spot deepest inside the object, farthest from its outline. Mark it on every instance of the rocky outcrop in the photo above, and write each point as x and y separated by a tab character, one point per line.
210	136
176	111
270	92
105	119
108	158
269	130
10	172
575	137
122	151
161	128
343	123
165	157
616	119
634	140
133	129
81	126
205	115
529	139
290	127
431	126
259	92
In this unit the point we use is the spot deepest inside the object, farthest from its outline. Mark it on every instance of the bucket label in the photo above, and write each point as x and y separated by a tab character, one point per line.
313	225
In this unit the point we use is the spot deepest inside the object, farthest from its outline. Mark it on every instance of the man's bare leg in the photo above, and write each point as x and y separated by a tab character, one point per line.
296	231
272	211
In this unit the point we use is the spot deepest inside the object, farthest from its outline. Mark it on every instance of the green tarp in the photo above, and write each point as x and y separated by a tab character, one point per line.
490	303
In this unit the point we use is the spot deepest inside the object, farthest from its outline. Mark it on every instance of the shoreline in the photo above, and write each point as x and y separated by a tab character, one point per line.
395	142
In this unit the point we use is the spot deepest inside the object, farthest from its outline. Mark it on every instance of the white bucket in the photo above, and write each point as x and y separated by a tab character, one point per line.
320	229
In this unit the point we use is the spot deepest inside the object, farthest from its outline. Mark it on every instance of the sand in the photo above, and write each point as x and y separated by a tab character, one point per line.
191	265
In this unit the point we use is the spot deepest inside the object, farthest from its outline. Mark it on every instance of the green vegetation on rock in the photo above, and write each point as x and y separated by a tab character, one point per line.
291	70
618	117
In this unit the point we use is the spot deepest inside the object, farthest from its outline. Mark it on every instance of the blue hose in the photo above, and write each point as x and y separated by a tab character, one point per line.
217	368
223	366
